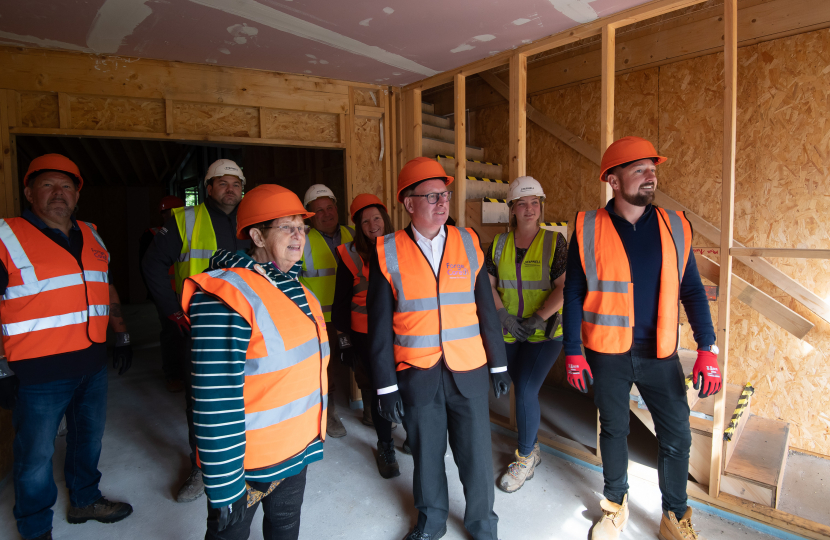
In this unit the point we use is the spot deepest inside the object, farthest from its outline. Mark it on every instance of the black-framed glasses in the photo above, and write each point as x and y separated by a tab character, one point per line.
289	229
432	198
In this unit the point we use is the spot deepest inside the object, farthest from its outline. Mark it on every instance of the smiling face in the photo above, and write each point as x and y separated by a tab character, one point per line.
325	215
527	210
279	246
226	191
371	221
53	196
428	218
636	183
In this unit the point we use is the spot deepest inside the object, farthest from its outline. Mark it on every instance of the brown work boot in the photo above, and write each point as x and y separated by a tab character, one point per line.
613	520
101	510
518	473
671	529
334	427
193	487
537	452
367	417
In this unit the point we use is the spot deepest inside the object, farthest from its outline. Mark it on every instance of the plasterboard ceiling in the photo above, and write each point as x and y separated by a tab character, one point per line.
392	42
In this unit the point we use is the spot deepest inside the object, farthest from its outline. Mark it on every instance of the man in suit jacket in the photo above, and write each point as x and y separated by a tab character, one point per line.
435	340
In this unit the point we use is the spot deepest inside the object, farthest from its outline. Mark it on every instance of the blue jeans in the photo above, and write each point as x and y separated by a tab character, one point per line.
528	363
37	415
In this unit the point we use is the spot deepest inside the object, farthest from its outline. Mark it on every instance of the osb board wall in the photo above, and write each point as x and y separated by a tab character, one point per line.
301	126
363	96
224	120
366	147
781	199
116	114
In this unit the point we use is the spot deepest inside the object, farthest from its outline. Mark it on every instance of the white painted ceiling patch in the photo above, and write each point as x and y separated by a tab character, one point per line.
365	22
577	10
17	39
388	10
462	47
115	20
519	22
224	51
485	37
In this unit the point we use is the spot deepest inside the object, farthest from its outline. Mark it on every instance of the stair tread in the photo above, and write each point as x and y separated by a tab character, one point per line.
707	407
442	141
761	452
442	156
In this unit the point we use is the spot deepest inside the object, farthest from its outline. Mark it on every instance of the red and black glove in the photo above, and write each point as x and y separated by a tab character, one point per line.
578	372
181	321
706	374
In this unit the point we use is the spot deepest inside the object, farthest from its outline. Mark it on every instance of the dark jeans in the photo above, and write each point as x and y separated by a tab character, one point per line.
281	509
36	418
187	371
528	363
663	387
174	346
363	377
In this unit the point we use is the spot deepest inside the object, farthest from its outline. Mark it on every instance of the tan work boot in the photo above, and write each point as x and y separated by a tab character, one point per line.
518	473
613	521
671	529
537	452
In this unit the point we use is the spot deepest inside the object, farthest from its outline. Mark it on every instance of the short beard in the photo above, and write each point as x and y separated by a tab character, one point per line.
638	199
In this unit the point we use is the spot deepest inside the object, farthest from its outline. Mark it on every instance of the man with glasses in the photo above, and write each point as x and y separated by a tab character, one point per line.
319	274
436	341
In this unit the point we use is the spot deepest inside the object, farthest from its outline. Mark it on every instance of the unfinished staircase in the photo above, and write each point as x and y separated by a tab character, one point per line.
755	455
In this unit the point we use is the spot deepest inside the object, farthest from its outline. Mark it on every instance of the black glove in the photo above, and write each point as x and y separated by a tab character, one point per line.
390	406
533	323
8	391
229	515
348	357
512	324
122	355
501	383
344	340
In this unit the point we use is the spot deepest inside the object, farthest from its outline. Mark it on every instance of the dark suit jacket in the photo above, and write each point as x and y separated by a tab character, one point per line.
418	386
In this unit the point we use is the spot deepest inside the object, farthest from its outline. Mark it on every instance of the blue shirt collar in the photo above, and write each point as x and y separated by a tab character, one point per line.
32	218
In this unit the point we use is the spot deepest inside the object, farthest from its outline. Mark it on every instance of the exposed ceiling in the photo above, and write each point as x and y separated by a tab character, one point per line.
393	42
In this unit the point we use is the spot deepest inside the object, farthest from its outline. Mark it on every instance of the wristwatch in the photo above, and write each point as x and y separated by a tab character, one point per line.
710	348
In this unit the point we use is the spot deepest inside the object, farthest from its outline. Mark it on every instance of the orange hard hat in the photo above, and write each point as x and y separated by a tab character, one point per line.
362	201
169	202
264	203
626	150
419	169
54	162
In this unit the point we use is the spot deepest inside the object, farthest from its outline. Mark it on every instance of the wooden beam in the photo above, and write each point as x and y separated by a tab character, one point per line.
9	202
727	212
412	131
518	116
350	153
780	252
388	154
64	110
169	120
607	103
362	111
460	150
392	150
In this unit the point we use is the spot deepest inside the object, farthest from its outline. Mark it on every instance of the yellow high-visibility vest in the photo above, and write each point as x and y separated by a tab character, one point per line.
198	242
319	272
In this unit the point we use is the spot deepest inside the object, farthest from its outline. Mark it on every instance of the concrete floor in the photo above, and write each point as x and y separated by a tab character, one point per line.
144	461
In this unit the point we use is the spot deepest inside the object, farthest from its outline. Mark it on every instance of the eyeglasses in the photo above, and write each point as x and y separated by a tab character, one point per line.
432	198
289	229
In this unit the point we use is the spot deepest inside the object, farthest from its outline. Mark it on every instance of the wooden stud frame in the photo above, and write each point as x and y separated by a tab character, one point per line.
460	150
518	116
607	103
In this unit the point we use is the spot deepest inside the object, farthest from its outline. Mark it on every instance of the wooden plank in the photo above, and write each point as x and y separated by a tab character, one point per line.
518	117
261	116
606	117
778	278
461	150
363	111
388	156
350	151
780	252
63	110
412	125
757	299
12	107
762	452
170	122
750	491
8	208
394	154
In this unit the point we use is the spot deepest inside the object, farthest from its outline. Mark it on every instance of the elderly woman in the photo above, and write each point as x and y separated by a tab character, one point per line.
349	316
260	353
527	274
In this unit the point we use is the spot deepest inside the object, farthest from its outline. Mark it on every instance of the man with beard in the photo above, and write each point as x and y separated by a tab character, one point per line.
632	261
187	241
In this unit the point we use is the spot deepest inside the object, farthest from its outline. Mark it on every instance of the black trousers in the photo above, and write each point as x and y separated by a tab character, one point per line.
467	422
663	387
281	509
174	346
363	377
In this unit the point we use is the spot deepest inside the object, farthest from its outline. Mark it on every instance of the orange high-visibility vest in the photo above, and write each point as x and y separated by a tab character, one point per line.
172	271
608	308
285	369
52	305
360	286
434	317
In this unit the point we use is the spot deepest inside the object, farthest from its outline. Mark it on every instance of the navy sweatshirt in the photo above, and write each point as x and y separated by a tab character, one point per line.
643	246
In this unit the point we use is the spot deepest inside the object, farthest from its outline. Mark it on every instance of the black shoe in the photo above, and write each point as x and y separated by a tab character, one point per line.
46	536
418	535
387	463
405	447
101	510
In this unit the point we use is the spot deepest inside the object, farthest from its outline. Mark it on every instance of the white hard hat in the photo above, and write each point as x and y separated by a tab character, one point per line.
221	167
315	192
524	186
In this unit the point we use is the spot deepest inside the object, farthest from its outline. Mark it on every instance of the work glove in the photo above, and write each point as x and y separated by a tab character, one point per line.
348	357
344	340
533	323
706	374
8	385
390	407
501	383
578	372
512	324
229	515
122	356
181	322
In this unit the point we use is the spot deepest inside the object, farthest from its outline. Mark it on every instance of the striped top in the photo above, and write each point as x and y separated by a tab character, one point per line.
220	342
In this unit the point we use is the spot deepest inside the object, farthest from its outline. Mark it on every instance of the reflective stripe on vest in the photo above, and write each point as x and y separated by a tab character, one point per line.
319	271
360	286
285	386
608	307
198	242
525	287
51	305
429	323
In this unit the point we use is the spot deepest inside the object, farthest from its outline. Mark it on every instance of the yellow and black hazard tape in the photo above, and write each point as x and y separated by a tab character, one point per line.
489	199
743	402
554	224
441	156
482	179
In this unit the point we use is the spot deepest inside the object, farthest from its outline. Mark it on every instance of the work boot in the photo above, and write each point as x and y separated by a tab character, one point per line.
334	427
537	452
671	529
387	463
367	418
613	520
416	534
44	536
405	447
101	510
193	487
518	472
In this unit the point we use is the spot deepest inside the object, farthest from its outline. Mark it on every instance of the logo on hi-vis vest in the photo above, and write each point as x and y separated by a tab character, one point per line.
457	271
100	255
532	263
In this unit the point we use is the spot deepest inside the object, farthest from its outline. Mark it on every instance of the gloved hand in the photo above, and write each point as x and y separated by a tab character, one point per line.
533	323
390	406
229	515
707	372
181	322
512	324
348	357
8	391
578	371
501	383
122	356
